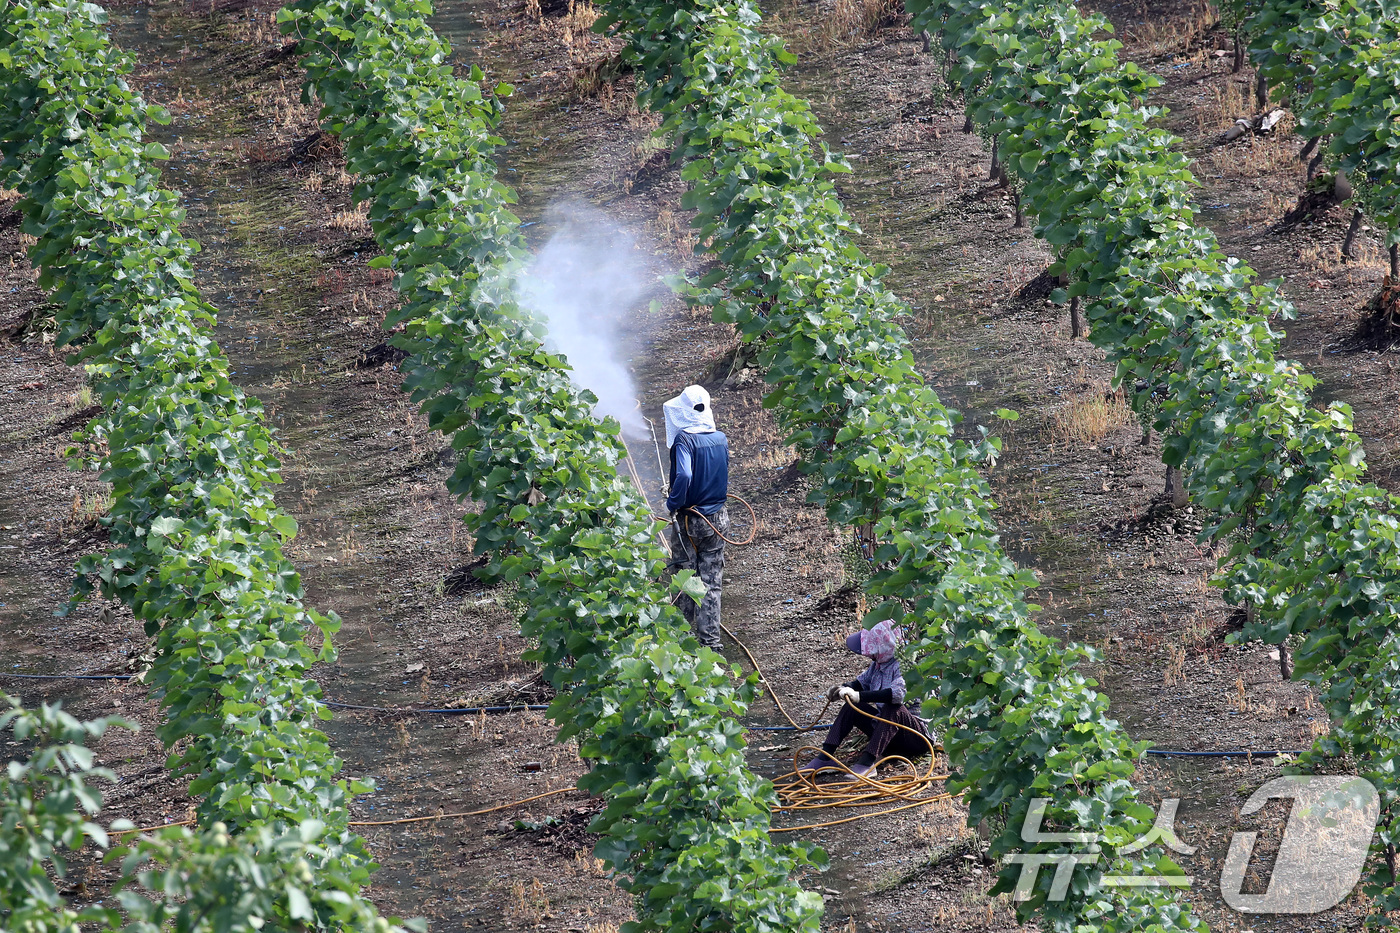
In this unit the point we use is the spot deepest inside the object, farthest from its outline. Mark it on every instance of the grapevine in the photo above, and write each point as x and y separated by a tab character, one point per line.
1019	721
686	822
1313	547
196	537
1339	62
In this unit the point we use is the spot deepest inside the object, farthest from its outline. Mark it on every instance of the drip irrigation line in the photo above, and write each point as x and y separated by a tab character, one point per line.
67	676
794	727
1236	753
402	710
450	710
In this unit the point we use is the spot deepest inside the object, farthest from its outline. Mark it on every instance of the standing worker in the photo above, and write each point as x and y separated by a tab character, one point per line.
699	519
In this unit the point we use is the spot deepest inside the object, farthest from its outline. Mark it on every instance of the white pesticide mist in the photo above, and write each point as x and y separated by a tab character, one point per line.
583	284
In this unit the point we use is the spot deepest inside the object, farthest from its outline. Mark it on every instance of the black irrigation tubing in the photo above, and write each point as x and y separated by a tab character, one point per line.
1238	753
375	709
1234	753
518	708
67	676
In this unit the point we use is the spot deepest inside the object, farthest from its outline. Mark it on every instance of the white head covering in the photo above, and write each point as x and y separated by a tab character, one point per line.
682	416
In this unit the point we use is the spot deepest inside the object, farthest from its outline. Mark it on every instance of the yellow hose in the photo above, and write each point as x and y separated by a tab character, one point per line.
799	790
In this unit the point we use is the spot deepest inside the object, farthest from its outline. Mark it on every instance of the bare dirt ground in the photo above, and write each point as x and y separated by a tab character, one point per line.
285	261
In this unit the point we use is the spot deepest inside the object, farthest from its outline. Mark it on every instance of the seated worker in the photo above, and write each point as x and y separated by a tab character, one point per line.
882	683
699	485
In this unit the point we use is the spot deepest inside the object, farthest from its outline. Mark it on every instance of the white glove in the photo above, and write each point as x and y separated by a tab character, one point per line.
846	693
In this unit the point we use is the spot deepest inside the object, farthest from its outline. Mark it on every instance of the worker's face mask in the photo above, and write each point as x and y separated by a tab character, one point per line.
878	643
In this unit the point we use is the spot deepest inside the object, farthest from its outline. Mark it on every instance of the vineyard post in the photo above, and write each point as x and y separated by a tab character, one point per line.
1341	185
1175	488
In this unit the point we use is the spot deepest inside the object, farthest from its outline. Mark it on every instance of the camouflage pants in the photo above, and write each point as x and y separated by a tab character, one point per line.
696	546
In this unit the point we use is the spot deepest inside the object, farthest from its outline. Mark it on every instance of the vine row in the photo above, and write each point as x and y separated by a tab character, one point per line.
1313	547
686	823
1019	721
197	882
196	539
1340	62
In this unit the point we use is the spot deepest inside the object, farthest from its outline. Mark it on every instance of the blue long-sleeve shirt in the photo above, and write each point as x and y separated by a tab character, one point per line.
699	472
